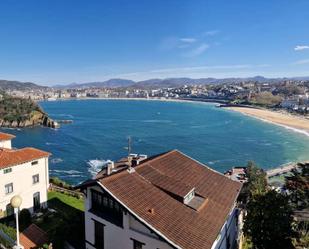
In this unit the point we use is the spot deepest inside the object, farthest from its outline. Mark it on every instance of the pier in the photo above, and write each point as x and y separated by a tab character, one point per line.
286	168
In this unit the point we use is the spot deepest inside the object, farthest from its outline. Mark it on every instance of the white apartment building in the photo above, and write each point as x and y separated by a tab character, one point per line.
163	202
23	172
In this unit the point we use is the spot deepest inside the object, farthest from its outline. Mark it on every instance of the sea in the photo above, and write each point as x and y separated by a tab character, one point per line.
215	136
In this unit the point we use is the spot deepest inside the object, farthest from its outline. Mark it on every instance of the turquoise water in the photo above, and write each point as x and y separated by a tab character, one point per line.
217	137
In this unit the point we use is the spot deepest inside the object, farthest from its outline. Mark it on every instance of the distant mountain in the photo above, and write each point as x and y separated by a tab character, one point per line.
6	85
112	83
173	82
176	82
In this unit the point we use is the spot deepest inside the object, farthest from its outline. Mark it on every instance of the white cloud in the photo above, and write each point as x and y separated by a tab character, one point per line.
301	62
301	47
208	68
211	32
197	51
188	40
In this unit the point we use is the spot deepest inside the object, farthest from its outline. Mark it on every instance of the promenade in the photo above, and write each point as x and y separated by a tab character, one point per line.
282	169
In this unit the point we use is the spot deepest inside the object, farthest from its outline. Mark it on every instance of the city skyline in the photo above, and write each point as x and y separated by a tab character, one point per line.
73	41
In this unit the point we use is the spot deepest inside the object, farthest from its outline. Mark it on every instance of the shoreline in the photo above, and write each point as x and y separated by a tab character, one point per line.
139	99
290	122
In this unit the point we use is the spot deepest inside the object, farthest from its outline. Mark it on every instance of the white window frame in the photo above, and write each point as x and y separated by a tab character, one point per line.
34	178
9	188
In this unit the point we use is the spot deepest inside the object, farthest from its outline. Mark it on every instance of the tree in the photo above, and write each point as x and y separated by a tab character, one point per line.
256	184
257	181
298	186
268	221
25	219
302	231
266	99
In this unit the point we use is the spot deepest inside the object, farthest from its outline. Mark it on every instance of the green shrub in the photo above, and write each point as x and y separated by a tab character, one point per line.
10	232
56	181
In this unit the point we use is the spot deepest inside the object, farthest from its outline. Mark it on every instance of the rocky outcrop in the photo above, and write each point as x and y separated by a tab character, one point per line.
37	118
16	112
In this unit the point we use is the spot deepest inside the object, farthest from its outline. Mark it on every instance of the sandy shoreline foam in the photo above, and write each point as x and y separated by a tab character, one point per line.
288	121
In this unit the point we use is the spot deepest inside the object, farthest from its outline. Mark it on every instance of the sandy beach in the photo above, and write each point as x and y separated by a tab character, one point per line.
296	123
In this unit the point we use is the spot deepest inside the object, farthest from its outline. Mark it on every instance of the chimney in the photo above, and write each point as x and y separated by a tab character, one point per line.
130	168
109	167
111	164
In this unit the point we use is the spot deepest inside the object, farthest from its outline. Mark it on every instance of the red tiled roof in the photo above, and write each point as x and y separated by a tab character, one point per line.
33	237
6	136
9	157
180	224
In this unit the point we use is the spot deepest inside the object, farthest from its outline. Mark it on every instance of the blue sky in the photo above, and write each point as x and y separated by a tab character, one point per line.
63	41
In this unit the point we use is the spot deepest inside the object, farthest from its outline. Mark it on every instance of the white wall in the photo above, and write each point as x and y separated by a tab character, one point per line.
117	237
6	144
21	177
229	232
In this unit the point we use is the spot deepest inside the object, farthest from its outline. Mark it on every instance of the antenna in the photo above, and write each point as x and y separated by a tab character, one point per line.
130	169
129	145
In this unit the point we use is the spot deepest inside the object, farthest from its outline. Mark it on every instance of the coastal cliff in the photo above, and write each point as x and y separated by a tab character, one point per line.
18	113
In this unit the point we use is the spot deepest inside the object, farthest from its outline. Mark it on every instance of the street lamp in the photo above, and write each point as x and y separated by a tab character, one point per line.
16	202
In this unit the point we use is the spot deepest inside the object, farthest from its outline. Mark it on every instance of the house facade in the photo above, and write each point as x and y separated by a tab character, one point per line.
5	140
163	202
23	172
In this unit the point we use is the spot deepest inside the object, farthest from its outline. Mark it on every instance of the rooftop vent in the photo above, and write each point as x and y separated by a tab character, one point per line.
109	167
136	159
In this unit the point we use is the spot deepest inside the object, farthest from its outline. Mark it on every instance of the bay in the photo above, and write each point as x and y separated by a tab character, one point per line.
217	137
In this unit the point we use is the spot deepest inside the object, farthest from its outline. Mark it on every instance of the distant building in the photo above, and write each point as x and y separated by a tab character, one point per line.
23	172
166	201
289	103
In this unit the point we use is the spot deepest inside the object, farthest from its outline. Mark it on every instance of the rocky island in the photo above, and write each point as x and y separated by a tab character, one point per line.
16	112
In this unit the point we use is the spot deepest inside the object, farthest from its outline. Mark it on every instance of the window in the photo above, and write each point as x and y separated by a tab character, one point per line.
8	188
106	207
34	163
36	201
8	170
137	244
98	235
35	179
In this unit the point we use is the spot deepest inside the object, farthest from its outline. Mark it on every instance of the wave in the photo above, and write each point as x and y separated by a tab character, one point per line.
198	126
69	172
56	160
61	115
305	132
75	176
95	166
48	143
156	121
